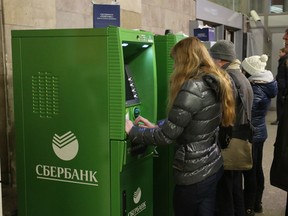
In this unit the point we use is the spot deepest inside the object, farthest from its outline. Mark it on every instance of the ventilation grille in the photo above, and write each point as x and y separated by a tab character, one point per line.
45	94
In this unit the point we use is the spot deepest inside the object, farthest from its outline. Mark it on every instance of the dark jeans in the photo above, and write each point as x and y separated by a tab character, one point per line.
196	199
254	178
229	197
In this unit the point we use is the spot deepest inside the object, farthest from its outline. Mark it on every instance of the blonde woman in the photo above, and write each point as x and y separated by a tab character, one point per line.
200	100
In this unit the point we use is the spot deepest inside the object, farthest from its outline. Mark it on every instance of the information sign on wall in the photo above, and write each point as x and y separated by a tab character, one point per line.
105	15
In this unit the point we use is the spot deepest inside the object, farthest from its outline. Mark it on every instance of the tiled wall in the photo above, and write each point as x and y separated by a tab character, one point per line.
167	14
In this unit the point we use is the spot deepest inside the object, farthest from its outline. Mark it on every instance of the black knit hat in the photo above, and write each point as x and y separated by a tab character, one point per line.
224	50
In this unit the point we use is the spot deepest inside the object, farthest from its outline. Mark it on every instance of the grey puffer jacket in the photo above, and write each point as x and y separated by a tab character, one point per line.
192	125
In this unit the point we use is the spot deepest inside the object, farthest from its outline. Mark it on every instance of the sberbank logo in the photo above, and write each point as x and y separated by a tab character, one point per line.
140	206
137	195
65	146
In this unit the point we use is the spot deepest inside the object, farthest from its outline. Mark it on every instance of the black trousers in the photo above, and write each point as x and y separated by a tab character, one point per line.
254	179
279	105
229	195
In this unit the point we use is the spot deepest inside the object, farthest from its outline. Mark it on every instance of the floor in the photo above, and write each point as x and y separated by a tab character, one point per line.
274	200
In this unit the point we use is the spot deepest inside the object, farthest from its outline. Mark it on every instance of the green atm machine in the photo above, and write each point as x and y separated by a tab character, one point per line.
73	90
163	158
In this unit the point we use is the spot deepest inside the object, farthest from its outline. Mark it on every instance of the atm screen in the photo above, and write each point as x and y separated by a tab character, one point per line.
131	92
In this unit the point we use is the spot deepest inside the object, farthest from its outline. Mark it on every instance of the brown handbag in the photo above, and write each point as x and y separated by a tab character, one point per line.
238	155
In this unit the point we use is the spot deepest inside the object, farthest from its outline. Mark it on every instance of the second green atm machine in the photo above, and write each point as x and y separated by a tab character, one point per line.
163	158
73	90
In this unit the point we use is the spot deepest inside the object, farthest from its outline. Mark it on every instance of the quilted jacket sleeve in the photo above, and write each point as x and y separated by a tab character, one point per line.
187	102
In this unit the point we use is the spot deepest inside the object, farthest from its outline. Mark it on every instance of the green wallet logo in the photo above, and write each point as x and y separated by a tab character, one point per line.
137	195
140	207
66	146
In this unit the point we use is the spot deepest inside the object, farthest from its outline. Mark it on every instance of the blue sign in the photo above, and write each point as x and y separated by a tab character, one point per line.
106	15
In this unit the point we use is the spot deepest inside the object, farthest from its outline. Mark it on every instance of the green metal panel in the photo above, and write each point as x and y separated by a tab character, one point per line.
53	105
163	160
69	95
137	195
19	138
116	83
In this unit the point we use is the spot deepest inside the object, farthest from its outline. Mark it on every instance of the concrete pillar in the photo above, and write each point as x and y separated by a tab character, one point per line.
285	6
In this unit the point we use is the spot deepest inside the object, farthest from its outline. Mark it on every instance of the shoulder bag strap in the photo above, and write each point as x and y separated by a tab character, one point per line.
235	79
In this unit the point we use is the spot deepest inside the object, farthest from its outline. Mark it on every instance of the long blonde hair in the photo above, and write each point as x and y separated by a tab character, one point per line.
191	60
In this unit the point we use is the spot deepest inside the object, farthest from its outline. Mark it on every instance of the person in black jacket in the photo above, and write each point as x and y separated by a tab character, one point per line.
282	78
264	88
279	167
230	199
200	99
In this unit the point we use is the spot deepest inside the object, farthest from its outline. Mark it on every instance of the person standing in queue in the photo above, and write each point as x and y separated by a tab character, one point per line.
279	167
282	79
230	199
264	88
200	98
